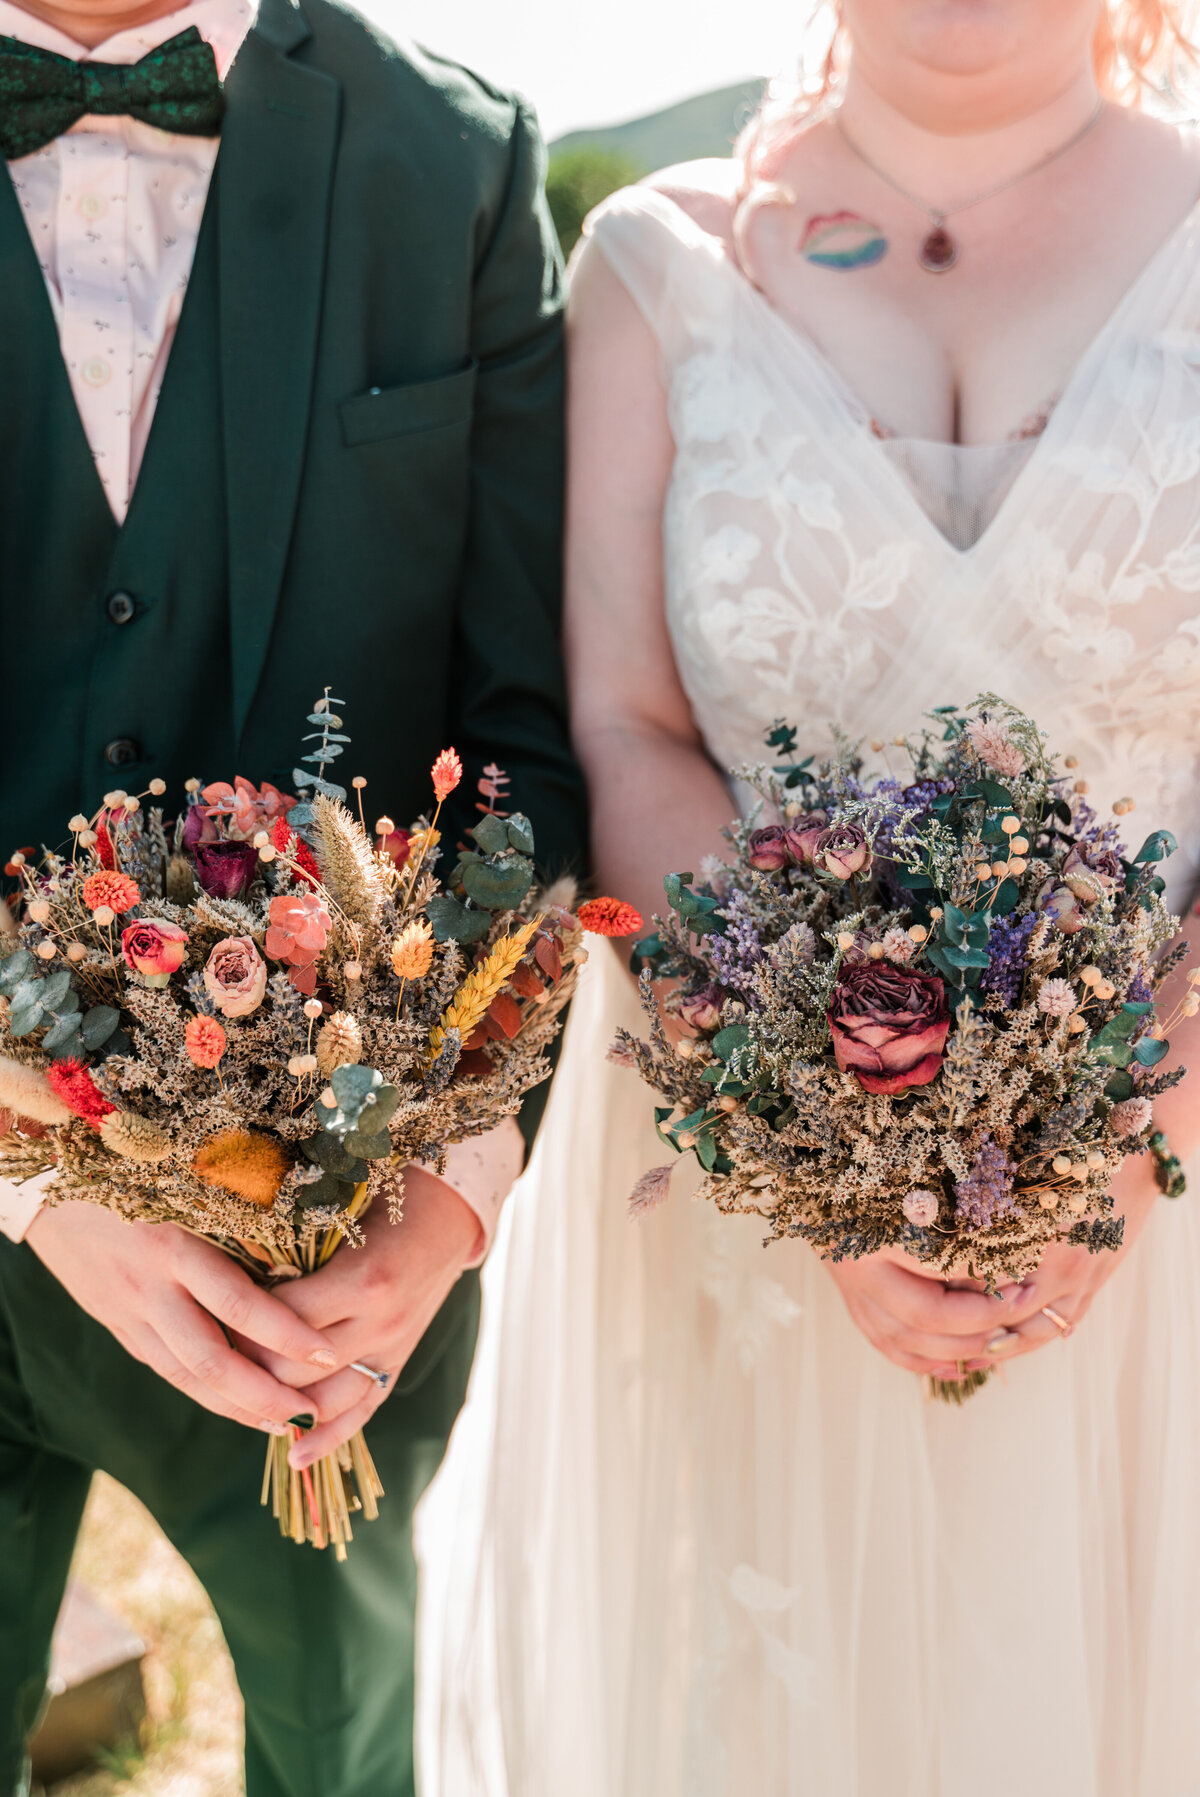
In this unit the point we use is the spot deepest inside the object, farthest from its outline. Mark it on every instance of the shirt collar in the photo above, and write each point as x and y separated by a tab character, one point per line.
225	24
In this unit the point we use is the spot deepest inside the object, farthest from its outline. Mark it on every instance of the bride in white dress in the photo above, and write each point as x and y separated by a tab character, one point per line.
700	1535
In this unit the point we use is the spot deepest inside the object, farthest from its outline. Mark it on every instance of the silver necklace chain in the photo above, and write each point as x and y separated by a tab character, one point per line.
940	213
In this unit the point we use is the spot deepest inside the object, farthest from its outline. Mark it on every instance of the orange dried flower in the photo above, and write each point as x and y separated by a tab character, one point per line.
204	1040
412	951
447	772
116	890
609	917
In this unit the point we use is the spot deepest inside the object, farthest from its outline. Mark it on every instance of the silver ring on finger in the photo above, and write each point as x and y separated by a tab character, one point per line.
1060	1322
382	1380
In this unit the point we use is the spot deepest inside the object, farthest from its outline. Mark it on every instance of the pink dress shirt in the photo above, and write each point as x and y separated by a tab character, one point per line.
114	208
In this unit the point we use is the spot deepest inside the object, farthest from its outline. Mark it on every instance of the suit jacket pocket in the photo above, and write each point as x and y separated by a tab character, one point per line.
403	411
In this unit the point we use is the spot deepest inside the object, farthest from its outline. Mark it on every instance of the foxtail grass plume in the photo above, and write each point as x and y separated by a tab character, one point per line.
347	862
26	1092
137	1138
251	1166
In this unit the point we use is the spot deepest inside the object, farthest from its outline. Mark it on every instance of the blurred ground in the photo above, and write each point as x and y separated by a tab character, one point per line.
191	1744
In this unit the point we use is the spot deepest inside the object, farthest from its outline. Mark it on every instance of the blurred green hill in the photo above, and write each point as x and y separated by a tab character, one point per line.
586	166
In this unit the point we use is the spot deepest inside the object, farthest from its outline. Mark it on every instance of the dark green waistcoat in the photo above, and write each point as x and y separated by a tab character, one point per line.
101	620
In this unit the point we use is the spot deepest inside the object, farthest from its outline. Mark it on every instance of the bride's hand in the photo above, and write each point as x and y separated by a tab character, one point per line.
1067	1279
919	1324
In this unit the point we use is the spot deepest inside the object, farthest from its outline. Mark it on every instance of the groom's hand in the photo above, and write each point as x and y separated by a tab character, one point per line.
375	1303
165	1294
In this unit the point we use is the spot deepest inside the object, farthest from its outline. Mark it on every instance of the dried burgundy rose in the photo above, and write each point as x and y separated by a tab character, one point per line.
768	850
889	1025
802	835
843	851
225	869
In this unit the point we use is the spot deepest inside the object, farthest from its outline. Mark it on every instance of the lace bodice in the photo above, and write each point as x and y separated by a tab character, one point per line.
806	579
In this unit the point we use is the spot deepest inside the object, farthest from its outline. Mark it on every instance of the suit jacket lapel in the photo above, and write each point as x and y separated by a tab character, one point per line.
278	147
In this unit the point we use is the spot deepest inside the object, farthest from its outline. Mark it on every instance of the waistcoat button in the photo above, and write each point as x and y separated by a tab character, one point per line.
121	607
121	751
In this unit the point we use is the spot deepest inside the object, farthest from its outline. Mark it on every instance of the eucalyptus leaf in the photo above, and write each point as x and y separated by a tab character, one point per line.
24	1021
98	1025
1110	1054
55	989
727	1042
520	833
368	1148
1151	1050
491	833
499	886
14	969
453	922
29	992
1119	1087
322	1192
64	1034
1156	847
966	957
1006	898
706	1151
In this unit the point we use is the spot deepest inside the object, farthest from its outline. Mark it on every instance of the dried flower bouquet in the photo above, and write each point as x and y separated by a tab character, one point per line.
923	1002
247	1021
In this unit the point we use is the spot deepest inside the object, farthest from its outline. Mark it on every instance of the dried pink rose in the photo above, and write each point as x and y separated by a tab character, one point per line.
1092	873
1131	1116
767	849
701	1010
235	977
154	948
995	747
1064	908
801	835
843	851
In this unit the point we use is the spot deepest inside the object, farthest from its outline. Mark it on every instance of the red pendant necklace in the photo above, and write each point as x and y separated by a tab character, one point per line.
938	249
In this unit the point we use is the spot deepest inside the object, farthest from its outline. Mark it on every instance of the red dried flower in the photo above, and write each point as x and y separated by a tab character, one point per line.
104	843
286	842
110	888
204	1040
447	772
609	917
78	1091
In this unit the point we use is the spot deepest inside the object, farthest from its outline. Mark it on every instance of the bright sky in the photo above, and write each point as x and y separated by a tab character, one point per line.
598	62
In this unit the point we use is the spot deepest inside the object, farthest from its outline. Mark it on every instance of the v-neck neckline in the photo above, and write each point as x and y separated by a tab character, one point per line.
845	400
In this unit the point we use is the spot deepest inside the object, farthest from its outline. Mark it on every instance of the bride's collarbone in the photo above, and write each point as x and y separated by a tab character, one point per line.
977	354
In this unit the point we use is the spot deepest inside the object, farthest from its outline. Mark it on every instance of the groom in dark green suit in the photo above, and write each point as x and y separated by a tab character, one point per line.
338	460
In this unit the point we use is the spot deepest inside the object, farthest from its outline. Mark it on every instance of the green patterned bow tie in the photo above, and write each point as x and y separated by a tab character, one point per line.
42	94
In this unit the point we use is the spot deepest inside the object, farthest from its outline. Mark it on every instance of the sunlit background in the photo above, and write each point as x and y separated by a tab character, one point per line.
585	64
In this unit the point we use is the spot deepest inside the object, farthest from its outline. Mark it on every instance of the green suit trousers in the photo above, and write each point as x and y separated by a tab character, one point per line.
323	1652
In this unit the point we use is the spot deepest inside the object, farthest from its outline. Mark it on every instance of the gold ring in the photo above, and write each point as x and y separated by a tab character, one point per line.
1060	1323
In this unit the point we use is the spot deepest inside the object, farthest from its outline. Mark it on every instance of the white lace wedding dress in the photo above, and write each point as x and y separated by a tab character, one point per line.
695	1537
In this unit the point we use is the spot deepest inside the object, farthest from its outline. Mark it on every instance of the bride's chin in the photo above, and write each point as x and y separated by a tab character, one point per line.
966	39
